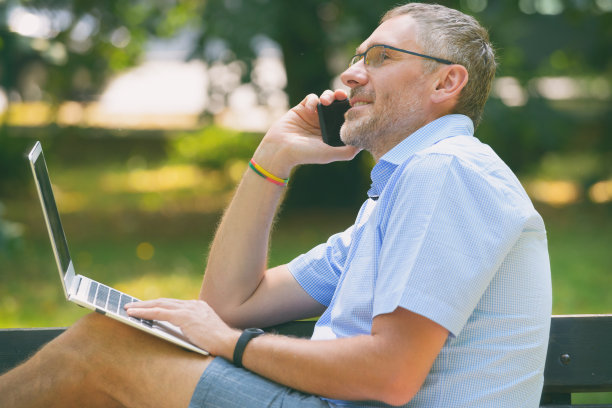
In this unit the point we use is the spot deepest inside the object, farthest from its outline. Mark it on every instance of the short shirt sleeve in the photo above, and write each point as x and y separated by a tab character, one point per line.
447	229
318	270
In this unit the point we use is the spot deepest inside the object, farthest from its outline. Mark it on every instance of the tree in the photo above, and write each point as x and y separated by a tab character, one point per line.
67	49
535	39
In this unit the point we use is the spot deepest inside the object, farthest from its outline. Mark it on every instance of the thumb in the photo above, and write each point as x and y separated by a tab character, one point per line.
307	109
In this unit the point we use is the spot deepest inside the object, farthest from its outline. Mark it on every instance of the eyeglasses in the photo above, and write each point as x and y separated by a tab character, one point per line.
376	55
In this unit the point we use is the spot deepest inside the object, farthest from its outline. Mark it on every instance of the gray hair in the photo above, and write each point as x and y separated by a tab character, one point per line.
450	34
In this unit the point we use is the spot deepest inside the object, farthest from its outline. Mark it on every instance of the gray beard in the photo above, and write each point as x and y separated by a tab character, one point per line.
383	128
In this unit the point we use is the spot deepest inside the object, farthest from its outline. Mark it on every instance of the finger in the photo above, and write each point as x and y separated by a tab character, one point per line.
162	302
142	304
307	109
340	94
154	313
310	102
341	153
327	97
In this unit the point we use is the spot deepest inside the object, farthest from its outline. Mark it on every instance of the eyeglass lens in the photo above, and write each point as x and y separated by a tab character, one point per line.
374	56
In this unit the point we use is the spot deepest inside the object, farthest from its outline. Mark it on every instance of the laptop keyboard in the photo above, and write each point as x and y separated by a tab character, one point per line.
112	301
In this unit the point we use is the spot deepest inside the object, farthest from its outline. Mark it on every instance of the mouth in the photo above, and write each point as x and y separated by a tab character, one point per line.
355	104
361	98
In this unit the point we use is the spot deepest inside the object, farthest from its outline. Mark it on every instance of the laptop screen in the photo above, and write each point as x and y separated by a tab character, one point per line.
50	209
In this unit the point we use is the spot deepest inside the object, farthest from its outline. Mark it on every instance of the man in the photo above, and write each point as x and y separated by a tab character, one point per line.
438	296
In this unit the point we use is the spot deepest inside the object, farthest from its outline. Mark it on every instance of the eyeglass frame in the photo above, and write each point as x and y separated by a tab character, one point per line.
362	56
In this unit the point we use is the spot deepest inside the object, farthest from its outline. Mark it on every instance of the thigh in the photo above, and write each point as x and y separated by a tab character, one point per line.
131	366
224	386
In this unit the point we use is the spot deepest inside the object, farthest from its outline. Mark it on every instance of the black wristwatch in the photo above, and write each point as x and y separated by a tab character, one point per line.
243	340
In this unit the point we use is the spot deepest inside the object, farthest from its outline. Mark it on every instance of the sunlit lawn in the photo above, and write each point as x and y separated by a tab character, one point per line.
171	265
154	243
144	228
138	221
581	260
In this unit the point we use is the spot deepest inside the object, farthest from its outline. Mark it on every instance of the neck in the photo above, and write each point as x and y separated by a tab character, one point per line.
393	139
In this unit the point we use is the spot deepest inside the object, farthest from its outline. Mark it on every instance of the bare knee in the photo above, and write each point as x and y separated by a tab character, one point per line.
57	375
109	362
94	323
85	357
88	346
100	342
73	350
82	339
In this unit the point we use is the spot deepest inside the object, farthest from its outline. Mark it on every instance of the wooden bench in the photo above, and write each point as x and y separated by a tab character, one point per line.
579	354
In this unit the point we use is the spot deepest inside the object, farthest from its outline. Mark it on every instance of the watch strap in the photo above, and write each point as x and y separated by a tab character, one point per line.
246	336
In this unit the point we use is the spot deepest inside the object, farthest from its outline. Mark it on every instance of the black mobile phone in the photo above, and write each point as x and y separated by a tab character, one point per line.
331	118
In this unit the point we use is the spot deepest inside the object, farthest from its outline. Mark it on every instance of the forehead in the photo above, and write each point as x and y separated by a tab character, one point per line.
399	31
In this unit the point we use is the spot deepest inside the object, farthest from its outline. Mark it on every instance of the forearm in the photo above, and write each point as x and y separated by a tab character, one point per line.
238	255
356	368
237	261
390	364
375	366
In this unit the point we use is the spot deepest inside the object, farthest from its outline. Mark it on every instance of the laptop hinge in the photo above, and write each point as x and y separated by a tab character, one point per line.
76	284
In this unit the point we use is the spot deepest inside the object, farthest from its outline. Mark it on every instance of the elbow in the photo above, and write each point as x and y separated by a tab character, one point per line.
233	316
228	314
396	396
224	306
225	312
397	390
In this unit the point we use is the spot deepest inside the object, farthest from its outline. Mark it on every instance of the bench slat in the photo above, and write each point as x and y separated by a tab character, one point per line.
16	345
578	360
579	355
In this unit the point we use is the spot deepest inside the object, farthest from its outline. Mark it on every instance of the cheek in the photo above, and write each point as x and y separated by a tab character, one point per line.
386	103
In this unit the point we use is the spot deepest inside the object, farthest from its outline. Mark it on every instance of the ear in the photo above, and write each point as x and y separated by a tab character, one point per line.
451	80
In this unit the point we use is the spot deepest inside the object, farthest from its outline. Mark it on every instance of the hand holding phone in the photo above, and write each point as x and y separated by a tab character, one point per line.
331	118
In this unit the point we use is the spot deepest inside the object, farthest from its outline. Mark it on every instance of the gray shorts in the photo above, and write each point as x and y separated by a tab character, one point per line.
224	386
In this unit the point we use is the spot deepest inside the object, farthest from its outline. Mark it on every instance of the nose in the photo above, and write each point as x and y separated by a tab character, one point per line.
355	75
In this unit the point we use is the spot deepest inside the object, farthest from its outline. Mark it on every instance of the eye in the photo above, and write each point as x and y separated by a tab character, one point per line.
381	57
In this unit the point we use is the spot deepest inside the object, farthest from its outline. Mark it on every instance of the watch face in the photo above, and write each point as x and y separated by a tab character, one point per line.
254	330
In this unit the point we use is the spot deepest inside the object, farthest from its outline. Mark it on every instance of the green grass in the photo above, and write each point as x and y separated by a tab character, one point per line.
579	241
106	218
104	246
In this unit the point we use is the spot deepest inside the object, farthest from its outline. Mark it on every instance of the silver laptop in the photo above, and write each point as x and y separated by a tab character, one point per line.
80	289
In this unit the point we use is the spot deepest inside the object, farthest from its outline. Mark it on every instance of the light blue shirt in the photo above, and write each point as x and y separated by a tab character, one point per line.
449	233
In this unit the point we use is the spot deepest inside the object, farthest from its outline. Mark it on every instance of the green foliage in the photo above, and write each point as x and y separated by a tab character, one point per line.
333	185
213	146
13	166
584	168
10	233
315	36
106	250
533	40
523	135
90	42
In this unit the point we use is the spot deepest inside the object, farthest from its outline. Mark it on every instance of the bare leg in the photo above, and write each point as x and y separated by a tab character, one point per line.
100	362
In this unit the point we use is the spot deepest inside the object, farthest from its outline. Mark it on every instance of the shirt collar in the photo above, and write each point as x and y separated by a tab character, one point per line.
430	134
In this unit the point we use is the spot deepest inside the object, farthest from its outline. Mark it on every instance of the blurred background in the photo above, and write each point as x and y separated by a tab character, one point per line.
148	112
